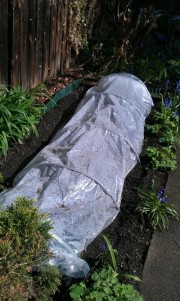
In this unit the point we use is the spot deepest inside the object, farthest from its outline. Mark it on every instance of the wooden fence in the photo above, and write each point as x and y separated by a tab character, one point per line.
33	40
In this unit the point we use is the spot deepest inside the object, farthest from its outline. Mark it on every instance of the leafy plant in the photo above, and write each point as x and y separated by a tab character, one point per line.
173	69
77	33
150	70
166	122
166	126
2	186
24	254
163	158
18	114
113	253
156	208
105	285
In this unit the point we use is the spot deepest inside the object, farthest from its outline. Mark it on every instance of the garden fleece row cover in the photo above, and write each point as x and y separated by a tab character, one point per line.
78	178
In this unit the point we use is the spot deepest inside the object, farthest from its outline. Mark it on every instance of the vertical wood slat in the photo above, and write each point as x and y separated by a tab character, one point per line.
39	40
46	40
32	42
52	56
59	35
64	35
4	42
24	46
16	49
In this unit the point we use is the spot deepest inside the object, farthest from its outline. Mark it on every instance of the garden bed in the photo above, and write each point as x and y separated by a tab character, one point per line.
129	234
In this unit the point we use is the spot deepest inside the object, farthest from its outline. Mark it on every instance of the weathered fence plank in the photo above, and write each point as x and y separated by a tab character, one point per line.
24	45
39	39
46	40
32	42
16	49
4	42
52	56
64	34
59	34
39	47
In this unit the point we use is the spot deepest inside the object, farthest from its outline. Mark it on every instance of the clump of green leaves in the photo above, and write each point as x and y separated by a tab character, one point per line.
104	284
18	114
166	122
156	208
161	158
165	126
24	254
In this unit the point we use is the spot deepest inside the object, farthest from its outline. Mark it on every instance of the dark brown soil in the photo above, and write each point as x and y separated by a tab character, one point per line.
129	234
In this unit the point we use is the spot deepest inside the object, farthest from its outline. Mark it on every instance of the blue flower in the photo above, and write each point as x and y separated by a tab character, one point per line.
161	192
164	200
178	86
104	247
167	83
168	102
161	196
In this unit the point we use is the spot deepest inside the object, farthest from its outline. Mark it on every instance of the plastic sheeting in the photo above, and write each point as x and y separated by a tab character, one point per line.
78	178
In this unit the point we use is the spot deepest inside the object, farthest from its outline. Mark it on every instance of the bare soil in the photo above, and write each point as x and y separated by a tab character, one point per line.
129	234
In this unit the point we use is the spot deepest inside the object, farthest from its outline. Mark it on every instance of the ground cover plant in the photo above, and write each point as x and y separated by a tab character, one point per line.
105	284
24	254
164	125
18	114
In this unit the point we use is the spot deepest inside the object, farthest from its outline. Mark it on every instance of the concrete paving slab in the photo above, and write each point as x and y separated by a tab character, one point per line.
161	276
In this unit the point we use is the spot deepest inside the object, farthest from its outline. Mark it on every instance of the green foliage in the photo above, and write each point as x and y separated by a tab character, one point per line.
18	114
46	283
24	237
173	69
150	69
105	286
156	208
1	181
166	124
77	34
166	127
162	159
112	252
113	256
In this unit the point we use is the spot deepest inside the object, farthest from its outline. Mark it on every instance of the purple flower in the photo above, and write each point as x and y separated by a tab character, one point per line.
164	200
161	192
178	86
161	196
104	247
168	102
167	83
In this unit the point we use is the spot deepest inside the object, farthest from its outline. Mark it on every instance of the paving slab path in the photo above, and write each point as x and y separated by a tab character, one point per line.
161	275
